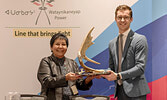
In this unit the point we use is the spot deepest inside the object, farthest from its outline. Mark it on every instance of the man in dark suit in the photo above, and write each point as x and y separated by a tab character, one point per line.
127	59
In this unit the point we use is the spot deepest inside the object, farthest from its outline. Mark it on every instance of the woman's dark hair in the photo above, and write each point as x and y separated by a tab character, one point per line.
60	36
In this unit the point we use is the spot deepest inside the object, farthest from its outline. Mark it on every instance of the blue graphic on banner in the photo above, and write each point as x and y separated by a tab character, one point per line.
146	22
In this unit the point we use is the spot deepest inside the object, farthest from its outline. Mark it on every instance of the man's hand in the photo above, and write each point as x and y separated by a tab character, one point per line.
110	77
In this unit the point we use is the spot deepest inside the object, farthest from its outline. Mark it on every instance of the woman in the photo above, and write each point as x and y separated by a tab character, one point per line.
56	73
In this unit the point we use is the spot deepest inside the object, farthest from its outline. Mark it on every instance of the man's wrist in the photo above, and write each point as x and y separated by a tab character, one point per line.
118	76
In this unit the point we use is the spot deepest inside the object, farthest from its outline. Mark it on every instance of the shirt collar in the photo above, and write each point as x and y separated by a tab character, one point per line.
58	61
126	32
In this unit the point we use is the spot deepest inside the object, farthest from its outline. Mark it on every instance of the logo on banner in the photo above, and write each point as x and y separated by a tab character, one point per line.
43	8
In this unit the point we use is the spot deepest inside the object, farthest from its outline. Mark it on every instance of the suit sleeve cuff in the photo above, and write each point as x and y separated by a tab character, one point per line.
120	75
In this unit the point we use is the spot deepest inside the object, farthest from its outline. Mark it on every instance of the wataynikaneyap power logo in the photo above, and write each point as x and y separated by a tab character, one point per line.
43	7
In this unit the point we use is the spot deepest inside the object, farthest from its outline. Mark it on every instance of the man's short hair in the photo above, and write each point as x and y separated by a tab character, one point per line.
123	7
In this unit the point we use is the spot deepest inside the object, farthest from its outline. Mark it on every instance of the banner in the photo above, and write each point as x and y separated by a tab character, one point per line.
26	27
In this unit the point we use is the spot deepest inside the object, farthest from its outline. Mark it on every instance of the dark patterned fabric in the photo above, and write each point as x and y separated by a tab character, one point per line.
66	90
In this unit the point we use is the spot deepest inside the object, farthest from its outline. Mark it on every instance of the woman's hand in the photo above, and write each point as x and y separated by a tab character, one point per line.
72	76
89	78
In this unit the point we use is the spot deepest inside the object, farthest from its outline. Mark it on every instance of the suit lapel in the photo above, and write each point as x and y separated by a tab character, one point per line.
117	53
127	43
